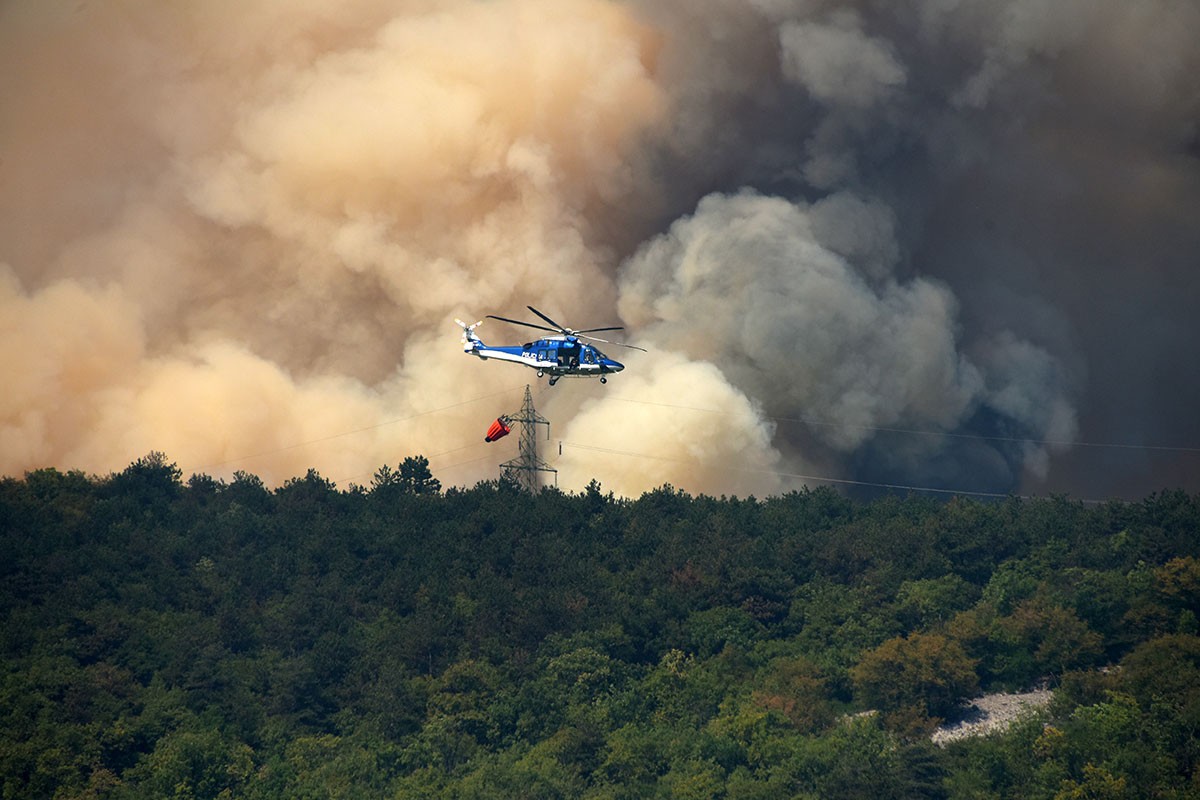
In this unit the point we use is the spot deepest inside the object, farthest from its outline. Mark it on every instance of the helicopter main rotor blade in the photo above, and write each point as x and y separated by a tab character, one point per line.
630	346
608	341
567	331
557	327
526	324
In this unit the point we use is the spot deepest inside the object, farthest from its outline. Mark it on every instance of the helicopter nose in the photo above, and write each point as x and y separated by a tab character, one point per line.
614	366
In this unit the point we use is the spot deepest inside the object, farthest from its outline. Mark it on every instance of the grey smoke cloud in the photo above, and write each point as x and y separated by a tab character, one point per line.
837	63
245	231
747	284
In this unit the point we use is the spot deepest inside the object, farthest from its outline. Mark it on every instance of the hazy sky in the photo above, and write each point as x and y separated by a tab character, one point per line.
927	243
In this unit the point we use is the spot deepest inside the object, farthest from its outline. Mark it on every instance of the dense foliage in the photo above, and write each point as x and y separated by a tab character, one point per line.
210	639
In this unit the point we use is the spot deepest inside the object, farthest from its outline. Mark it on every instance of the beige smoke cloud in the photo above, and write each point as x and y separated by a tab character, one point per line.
80	364
451	161
63	350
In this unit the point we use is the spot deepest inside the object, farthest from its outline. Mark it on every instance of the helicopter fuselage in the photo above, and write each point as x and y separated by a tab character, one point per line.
555	356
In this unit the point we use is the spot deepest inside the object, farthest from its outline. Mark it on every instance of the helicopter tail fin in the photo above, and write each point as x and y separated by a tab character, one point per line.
469	340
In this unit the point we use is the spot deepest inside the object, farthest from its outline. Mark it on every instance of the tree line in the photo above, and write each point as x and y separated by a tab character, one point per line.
219	639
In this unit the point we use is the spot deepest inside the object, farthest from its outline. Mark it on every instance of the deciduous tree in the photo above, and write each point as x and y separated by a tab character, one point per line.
927	673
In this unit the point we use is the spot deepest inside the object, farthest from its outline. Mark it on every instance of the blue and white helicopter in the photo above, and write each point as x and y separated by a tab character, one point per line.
556	356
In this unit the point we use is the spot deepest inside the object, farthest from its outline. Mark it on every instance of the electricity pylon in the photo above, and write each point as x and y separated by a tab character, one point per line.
523	470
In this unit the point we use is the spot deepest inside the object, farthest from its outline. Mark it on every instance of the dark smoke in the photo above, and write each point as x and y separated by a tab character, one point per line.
1038	160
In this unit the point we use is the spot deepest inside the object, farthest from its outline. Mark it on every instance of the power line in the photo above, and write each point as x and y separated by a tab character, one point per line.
463	463
431	456
817	478
809	420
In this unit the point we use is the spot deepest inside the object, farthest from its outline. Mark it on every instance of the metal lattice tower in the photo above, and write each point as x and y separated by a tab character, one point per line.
523	470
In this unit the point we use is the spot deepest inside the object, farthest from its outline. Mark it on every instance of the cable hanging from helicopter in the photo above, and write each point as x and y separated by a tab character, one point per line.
563	354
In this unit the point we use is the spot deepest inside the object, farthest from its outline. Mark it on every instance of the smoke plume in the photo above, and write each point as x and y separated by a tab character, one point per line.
928	244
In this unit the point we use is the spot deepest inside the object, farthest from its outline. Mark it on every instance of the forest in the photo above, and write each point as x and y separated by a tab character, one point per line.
210	638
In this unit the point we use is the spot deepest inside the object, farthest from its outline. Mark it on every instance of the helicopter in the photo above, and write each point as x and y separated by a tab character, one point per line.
562	354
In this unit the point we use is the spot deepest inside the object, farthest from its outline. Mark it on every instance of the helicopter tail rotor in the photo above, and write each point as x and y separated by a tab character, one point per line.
469	339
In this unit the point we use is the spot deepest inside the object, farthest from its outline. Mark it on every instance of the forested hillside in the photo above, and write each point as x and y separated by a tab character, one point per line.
205	639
